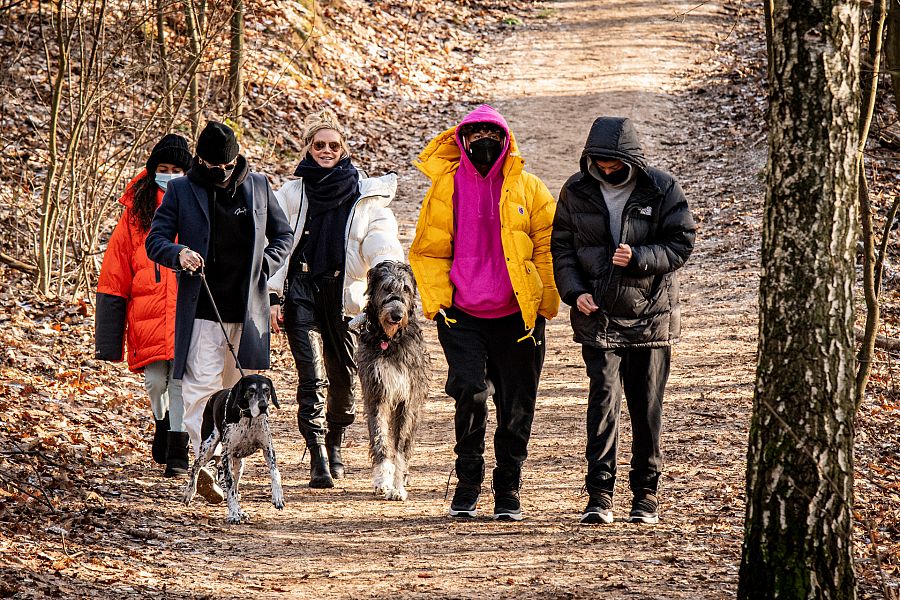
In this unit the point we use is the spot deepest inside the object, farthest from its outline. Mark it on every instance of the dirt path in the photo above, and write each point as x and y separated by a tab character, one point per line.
616	57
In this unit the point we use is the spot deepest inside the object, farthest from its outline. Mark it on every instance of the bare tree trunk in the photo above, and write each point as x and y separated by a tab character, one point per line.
49	208
235	82
797	540
163	57
194	56
892	47
871	290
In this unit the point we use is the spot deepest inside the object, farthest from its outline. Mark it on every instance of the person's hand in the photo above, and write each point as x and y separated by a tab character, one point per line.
622	256
190	260
275	317
585	303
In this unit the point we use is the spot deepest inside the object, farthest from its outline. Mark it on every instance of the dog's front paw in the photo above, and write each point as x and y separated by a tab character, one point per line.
188	495
237	518
278	501
395	494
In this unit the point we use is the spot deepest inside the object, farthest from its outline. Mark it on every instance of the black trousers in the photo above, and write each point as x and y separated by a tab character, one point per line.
485	358
642	374
323	347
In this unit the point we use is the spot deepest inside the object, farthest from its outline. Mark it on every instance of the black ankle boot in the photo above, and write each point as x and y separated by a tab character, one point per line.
160	440
319	475
177	454
333	440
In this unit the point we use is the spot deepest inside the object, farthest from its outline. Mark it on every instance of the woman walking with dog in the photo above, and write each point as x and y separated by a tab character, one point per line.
231	232
481	257
342	226
136	300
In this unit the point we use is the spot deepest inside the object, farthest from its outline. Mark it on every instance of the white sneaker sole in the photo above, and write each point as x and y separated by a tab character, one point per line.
465	514
649	519
593	517
508	516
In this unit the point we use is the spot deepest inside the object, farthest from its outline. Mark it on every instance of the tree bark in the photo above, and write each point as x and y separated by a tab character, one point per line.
163	56
193	33
235	81
892	48
871	281
797	539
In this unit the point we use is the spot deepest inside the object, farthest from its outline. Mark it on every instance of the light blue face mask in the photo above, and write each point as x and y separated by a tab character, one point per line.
163	179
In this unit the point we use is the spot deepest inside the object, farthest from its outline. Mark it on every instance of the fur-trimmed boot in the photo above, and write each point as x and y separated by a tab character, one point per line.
333	440
160	439
319	474
177	454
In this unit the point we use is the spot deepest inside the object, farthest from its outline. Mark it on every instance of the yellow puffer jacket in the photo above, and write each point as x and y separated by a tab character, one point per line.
526	218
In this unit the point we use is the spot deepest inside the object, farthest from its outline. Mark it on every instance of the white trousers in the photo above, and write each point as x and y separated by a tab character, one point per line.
210	367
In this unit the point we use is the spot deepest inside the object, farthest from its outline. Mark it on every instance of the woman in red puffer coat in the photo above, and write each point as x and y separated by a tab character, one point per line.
136	300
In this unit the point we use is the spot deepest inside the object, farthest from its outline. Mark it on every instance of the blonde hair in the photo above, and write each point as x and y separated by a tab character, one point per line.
316	122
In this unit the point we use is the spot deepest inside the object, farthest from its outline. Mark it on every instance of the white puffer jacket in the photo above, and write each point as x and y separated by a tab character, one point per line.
370	237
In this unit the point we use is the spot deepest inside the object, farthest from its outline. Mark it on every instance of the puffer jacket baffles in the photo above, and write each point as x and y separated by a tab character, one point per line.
370	237
526	216
638	303
135	297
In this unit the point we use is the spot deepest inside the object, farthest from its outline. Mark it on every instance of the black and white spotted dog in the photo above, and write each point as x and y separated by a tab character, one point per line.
238	418
394	369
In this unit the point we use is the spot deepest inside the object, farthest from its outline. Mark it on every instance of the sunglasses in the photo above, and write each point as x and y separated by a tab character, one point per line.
320	145
210	165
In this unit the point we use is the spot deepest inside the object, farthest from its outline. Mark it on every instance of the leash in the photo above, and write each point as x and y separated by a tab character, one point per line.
202	274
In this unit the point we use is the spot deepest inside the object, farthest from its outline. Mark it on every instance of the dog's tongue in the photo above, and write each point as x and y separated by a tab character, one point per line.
384	345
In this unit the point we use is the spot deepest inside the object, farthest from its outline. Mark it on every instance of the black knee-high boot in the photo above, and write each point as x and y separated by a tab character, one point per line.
333	440
177	454
160	439
319	475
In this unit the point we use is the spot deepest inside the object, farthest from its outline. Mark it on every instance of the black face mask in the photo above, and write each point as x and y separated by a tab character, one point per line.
484	152
616	177
219	175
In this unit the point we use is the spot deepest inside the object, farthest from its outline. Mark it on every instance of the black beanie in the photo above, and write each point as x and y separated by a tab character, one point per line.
217	144
172	149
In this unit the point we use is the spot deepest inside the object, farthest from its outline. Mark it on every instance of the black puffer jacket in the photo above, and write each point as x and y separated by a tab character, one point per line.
638	303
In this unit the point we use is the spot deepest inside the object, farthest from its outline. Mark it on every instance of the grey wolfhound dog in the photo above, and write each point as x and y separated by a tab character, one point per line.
394	369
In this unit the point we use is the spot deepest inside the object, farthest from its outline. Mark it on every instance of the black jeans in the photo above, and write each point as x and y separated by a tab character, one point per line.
642	374
323	348
485	358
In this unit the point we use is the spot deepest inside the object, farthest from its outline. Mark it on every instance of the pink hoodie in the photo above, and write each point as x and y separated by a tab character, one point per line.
479	273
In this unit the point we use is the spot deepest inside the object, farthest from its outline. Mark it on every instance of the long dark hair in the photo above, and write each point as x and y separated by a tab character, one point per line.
144	205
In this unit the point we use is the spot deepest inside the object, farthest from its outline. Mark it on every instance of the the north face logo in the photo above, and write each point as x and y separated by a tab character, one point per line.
242	210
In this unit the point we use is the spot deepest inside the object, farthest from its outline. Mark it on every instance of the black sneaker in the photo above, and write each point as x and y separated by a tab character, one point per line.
598	509
465	500
507	506
644	509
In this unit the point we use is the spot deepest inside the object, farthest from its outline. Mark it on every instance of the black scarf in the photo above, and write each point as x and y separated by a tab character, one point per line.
330	194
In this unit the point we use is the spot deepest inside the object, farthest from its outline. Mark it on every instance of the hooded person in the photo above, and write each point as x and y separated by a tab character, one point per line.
342	227
227	222
481	258
136	300
622	230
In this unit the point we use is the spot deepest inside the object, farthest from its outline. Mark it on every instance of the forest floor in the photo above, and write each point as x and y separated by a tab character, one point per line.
661	66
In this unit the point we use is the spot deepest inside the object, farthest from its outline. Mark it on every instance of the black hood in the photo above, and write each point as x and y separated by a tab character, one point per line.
613	138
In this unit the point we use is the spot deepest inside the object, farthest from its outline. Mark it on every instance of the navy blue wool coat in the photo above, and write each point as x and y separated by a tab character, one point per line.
184	213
